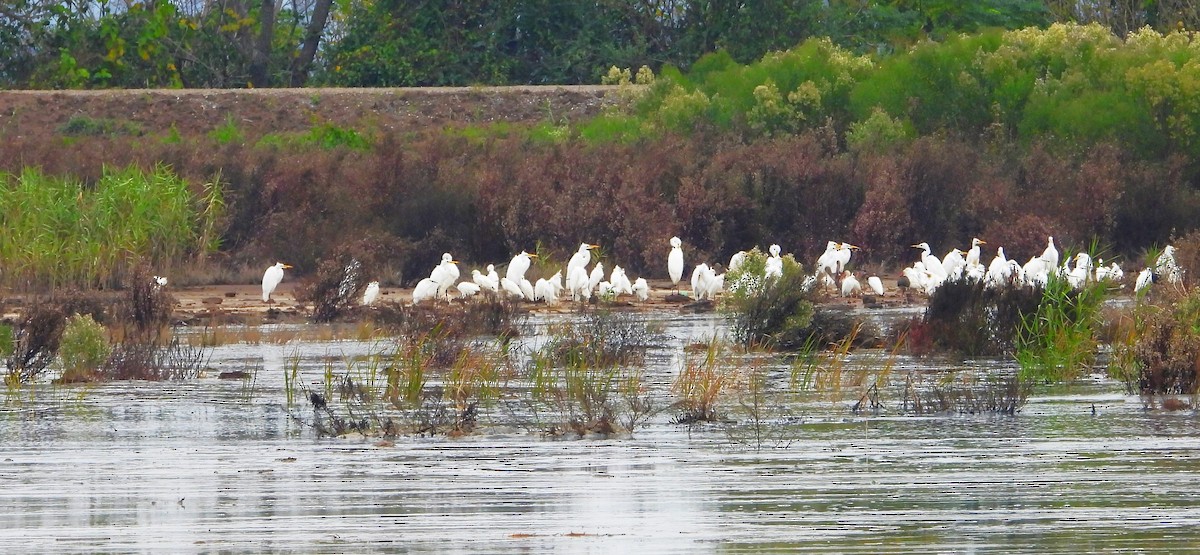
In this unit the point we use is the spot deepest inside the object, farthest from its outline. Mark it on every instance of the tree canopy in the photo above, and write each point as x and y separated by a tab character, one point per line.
268	43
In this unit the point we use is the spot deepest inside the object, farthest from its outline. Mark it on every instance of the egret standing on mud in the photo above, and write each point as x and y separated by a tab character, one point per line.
580	259
271	279
675	262
371	293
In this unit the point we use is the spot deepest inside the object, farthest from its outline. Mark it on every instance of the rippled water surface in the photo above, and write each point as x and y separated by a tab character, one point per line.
217	465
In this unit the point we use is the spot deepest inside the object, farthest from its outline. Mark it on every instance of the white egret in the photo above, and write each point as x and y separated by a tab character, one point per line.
641	289
954	262
445	274
700	277
716	285
467	289
620	281
578	284
973	252
1036	271
998	272
875	284
827	263
426	289
371	293
526	289
842	255
675	262
1050	255
1144	279
484	281
596	276
737	260
511	288
160	281
518	266
556	282
544	290
271	279
581	258
850	285
774	265
932	263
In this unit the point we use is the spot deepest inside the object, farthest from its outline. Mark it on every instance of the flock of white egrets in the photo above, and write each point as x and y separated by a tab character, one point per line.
924	276
930	272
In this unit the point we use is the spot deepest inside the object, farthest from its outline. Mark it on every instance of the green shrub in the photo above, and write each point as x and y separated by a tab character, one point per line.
775	313
84	349
227	133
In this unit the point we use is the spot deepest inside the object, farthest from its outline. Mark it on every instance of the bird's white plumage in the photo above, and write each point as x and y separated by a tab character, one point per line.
426	290
675	261
371	293
875	284
271	279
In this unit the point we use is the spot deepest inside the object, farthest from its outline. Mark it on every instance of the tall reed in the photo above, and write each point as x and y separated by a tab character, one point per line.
63	232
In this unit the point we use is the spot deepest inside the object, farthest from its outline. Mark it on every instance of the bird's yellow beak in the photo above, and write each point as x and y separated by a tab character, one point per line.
287	265
916	246
982	242
531	255
454	262
849	246
593	246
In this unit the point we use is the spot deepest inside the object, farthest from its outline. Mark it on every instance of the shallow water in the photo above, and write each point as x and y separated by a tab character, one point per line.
217	465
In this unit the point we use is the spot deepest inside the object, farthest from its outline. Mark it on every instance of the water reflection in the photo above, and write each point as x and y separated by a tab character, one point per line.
215	465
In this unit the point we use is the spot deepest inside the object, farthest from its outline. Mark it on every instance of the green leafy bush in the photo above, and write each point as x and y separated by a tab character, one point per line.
770	312
84	349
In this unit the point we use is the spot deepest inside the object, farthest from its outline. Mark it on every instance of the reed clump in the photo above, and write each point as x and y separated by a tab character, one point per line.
1058	340
992	394
586	379
705	381
63	232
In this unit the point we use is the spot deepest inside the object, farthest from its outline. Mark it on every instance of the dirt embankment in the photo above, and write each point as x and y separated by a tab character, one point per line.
258	111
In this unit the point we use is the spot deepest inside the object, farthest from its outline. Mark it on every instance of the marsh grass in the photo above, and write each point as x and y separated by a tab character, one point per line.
1058	341
83	126
1157	349
966	318
587	377
60	232
990	394
35	342
774	313
705	382
84	349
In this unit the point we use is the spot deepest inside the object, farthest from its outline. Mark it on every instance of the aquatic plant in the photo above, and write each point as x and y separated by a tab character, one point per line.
35	342
991	394
1157	350
602	339
1058	340
586	377
705	382
84	348
965	317
771	312
337	286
